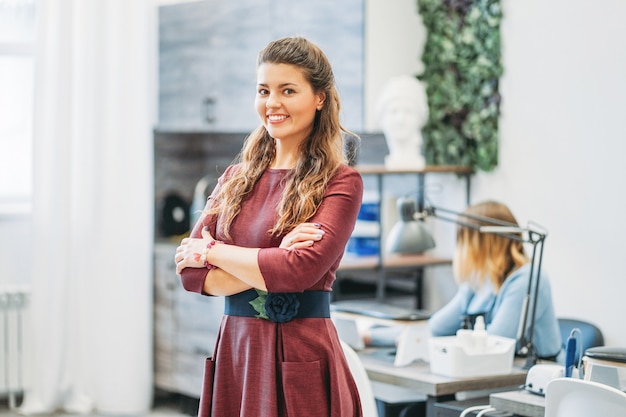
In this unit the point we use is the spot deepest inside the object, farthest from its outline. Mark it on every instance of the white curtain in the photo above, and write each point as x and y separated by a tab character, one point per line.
90	333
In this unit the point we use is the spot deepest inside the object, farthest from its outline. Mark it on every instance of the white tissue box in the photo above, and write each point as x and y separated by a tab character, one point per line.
449	357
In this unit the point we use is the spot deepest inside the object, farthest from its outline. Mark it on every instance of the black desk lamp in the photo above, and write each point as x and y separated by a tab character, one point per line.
410	235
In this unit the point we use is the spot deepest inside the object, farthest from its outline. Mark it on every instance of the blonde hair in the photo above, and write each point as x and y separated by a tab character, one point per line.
320	155
481	256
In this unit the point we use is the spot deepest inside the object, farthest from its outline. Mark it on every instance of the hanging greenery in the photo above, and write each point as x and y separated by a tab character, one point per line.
461	74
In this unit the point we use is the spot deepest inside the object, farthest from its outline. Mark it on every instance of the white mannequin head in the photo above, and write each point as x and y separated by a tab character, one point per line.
402	110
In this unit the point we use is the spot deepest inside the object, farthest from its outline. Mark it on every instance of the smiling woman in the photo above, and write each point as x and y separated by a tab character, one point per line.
270	240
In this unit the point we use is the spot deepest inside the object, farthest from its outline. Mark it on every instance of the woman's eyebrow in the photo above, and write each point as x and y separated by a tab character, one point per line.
280	85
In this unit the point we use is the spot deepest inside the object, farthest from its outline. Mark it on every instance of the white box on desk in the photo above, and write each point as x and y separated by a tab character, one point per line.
449	358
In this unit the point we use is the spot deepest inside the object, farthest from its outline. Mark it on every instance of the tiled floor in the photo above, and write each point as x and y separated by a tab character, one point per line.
164	406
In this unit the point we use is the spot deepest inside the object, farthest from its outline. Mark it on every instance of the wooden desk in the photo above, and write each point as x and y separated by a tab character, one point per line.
520	402
418	377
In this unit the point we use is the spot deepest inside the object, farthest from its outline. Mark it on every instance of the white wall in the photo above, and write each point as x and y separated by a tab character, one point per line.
562	145
563	141
394	38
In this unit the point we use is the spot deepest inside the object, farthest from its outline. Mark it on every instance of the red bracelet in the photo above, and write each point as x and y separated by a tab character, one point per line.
203	258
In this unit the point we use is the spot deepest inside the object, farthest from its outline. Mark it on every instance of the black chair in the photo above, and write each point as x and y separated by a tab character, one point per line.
591	335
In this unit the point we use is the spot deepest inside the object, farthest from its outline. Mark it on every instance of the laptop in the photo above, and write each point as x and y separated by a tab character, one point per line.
379	310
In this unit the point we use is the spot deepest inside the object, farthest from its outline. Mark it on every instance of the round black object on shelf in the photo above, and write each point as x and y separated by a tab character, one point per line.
173	215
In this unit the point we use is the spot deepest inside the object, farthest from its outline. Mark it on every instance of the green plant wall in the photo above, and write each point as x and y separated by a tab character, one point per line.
462	68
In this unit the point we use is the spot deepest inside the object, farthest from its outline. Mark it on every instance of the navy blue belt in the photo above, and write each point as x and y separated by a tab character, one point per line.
279	307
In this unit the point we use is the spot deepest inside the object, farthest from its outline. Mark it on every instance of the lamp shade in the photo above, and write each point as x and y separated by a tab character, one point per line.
408	235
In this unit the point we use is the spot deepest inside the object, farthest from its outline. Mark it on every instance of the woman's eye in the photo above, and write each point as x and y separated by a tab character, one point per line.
262	91
289	91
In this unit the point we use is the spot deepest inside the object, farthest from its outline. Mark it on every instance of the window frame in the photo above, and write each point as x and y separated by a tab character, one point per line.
21	204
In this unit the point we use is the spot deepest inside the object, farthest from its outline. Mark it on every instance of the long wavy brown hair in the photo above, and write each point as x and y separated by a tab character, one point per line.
320	155
480	256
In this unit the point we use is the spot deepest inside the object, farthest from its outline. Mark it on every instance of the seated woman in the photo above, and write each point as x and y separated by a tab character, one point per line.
492	274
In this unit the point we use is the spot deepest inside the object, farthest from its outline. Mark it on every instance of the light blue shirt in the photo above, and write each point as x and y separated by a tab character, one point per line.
502	311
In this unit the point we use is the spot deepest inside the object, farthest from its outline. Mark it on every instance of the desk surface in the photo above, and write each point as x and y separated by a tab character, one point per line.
380	169
390	261
520	402
417	376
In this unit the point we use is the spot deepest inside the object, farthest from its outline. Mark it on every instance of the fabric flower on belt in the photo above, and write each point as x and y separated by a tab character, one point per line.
279	307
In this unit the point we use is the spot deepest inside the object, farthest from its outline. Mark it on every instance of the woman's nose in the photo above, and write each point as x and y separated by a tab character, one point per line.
272	101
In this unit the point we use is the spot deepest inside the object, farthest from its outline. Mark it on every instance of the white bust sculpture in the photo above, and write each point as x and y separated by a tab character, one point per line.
402	111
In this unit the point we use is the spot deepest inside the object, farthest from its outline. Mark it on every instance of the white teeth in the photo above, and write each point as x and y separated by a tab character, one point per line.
276	118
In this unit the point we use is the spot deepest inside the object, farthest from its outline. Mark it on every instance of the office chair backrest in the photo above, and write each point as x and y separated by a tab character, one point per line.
368	401
591	335
572	397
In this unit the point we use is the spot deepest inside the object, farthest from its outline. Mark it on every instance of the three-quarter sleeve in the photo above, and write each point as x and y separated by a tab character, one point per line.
193	279
314	267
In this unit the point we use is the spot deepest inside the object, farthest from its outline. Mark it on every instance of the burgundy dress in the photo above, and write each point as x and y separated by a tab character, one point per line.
261	368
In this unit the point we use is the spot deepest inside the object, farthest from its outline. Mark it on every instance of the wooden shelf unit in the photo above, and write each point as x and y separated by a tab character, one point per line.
382	262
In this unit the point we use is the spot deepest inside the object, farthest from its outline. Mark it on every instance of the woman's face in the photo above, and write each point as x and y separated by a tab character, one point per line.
286	102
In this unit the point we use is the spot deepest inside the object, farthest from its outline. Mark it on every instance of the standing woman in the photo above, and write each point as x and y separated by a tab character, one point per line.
270	240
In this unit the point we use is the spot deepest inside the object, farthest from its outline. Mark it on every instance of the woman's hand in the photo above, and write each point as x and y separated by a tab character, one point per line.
303	235
189	253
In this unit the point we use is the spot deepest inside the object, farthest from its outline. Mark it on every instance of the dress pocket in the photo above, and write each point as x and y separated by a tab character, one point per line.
206	396
305	389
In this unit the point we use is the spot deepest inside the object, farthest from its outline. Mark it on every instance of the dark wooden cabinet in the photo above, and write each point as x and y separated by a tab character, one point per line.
185	328
185	323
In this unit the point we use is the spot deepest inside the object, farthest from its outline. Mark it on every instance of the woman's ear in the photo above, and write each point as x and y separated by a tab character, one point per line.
321	98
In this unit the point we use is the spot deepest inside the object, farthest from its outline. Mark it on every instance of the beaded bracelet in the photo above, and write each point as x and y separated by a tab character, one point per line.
205	253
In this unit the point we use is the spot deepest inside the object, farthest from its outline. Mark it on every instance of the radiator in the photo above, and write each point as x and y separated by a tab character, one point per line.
13	303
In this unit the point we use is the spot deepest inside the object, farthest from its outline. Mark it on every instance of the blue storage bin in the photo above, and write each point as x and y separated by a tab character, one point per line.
368	211
363	245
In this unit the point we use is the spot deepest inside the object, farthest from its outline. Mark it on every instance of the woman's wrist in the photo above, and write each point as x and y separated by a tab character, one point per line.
204	257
